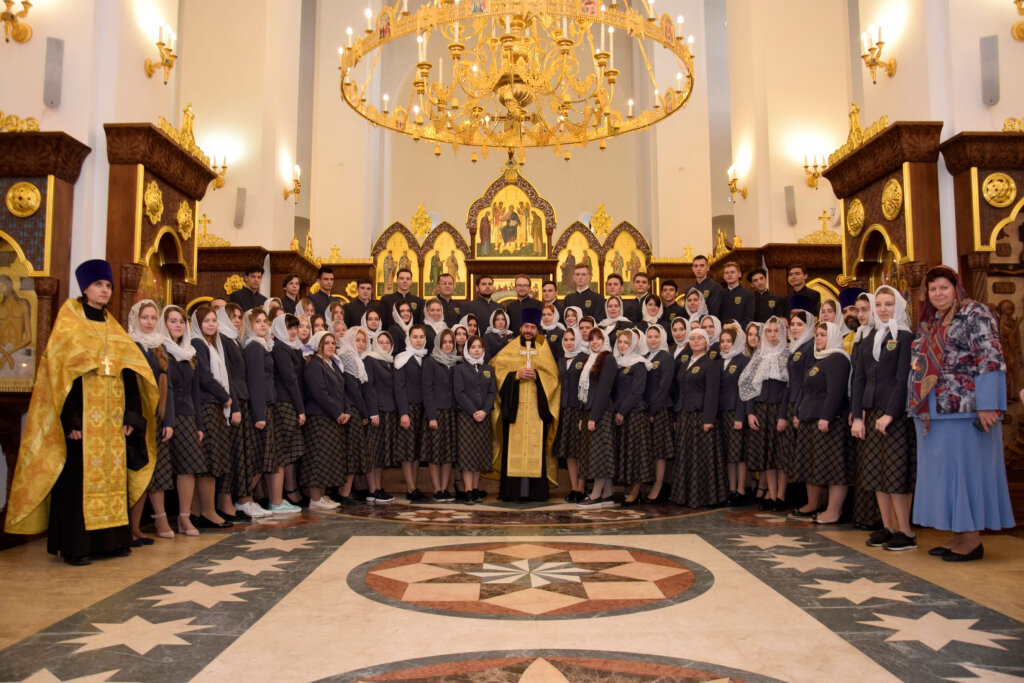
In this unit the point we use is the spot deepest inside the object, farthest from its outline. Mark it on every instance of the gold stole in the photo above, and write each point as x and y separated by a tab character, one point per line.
526	443
76	349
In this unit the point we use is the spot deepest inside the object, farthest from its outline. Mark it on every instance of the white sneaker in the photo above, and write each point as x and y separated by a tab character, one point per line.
253	509
330	501
321	504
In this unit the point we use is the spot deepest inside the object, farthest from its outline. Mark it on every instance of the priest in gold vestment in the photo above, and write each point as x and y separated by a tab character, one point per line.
88	449
526	414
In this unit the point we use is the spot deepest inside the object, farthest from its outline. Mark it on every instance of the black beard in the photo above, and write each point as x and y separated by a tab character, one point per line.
852	322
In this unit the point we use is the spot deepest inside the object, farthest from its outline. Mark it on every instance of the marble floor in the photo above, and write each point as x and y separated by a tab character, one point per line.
494	593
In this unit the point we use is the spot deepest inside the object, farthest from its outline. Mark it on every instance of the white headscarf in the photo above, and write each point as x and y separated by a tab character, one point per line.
632	355
398	320
702	307
379	353
685	344
438	325
218	368
148	340
713	339
469	358
225	328
349	356
663	346
266	342
807	334
371	334
179	351
317	338
609	322
839	314
646	317
768	362
490	324
464	322
897	322
446	359
865	329
579	314
738	345
270	303
556	325
578	345
279	328
584	388
694	357
834	343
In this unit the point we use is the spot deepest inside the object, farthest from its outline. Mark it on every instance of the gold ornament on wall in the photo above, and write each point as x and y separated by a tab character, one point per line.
1017	30
421	223
14	27
857	136
24	199
335	254
601	222
855	218
185	224
892	199
687	254
999	190
206	239
352	290
233	284
154	202
1012	125
823	236
15	124
184	137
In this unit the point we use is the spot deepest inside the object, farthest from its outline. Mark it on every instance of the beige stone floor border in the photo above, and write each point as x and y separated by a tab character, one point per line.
38	589
739	622
994	582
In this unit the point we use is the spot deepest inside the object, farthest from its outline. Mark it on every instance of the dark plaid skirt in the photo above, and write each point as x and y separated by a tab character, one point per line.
186	453
439	444
831	454
663	442
287	433
409	442
245	456
865	507
731	440
762	446
634	463
357	442
569	438
798	447
380	441
266	456
888	462
700	478
476	443
216	439
163	470
323	461
598	459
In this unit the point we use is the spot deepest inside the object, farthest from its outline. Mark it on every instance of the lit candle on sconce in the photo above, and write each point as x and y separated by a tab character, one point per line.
508	23
384	103
657	98
348	32
419	46
160	38
369	20
611	47
174	40
440	70
565	26
405	6
601	31
341	56
298	172
650	8
679	81
679	26
690	40
629	104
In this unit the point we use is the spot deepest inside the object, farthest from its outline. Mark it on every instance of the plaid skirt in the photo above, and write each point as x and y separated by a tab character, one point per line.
598	457
888	462
287	433
569	438
216	441
831	461
409	442
731	440
634	463
865	507
476	443
245	456
186	453
798	455
763	446
357	453
380	441
663	444
439	444
266	456
323	462
163	470
700	478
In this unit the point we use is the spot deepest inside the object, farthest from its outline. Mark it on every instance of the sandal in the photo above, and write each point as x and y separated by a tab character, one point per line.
164	534
191	531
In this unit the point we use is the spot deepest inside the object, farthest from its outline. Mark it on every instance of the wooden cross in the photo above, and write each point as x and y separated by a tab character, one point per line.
106	365
529	353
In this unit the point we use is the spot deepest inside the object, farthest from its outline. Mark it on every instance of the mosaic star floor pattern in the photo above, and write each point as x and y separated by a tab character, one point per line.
664	596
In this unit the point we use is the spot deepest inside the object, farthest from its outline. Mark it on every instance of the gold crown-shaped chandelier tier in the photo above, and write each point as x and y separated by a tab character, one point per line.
520	73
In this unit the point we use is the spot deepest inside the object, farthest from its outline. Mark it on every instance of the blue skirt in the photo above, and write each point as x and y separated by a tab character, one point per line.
961	474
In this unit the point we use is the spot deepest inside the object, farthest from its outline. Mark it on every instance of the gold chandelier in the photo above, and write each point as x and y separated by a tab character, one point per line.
520	73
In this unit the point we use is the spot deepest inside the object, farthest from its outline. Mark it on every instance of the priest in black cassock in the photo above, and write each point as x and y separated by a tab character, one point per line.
526	413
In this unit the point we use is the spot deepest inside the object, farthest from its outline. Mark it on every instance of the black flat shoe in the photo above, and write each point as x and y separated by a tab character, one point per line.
631	503
78	561
141	541
229	517
975	554
201	522
939	551
120	552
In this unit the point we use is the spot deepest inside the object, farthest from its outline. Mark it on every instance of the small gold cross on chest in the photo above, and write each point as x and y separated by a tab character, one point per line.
530	352
106	365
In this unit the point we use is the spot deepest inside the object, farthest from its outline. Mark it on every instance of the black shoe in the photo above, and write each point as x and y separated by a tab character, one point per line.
878	538
141	541
474	497
443	497
900	541
78	561
201	522
975	554
780	505
939	551
463	497
120	552
765	503
631	503
415	496
799	516
382	496
239	516
359	494
480	494
227	517
588	502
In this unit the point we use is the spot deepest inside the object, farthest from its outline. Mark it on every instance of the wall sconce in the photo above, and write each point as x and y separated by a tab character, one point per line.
296	186
13	27
813	172
872	56
734	187
218	182
1017	30
167	55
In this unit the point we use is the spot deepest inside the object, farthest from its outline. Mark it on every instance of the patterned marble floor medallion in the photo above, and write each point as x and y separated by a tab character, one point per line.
523	580
509	514
549	666
751	516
